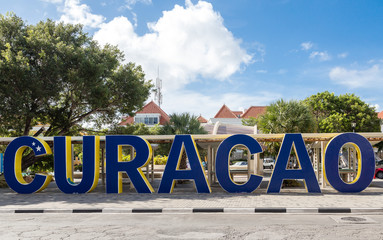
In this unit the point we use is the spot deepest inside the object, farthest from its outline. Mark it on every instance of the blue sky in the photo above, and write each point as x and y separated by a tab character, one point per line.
241	53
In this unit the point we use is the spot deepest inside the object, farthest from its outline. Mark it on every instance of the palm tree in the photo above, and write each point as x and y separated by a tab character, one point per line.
285	117
183	123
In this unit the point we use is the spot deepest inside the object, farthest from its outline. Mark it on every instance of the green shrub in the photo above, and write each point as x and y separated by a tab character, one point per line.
160	160
291	183
78	167
45	165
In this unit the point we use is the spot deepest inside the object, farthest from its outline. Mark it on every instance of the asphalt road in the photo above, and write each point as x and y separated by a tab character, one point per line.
190	226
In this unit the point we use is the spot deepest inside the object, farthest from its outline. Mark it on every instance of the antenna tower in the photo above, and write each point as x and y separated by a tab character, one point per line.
158	93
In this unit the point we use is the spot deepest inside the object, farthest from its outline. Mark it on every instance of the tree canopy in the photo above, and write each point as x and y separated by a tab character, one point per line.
286	117
251	121
55	74
336	113
183	123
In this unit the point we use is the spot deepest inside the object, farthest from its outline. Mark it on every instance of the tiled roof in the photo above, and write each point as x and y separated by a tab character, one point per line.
151	107
202	119
225	112
380	115
238	113
127	120
254	111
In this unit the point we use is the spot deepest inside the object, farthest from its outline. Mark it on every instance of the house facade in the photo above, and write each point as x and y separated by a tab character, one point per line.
380	116
150	115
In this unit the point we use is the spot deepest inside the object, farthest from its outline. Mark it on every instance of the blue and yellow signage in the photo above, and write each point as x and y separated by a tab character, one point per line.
115	167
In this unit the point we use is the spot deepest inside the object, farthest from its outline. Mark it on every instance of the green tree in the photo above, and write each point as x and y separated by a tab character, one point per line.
286	117
130	129
251	121
181	124
336	113
55	74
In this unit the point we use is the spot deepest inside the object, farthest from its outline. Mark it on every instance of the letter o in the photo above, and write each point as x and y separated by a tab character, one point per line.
366	163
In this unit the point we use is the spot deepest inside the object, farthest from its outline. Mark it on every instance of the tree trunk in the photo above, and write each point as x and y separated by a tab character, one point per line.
30	159
183	164
27	126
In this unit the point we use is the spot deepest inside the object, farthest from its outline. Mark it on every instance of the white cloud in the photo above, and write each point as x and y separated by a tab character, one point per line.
368	78
376	106
208	106
321	56
261	71
74	12
131	3
52	1
306	45
343	55
186	42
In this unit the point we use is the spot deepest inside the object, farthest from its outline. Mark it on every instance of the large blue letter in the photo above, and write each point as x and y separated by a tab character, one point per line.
12	165
115	166
63	164
171	172
366	163
306	172
222	163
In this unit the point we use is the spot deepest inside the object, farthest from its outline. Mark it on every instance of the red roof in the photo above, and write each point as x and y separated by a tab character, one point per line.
238	113
254	111
151	107
380	115
127	120
225	112
201	119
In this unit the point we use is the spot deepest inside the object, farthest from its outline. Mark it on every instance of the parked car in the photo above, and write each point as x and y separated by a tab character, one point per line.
379	163
238	165
268	163
379	173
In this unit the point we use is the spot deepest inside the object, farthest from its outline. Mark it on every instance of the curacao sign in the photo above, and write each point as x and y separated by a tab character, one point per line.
115	166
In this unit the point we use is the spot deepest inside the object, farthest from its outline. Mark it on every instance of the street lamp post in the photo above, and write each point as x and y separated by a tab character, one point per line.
353	125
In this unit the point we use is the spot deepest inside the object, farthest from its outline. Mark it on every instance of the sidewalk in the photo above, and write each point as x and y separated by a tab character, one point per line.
186	199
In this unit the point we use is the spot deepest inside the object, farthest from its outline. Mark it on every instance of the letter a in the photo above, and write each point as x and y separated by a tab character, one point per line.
171	172
306	172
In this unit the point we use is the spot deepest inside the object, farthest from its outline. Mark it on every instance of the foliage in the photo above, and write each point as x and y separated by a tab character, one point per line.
130	129
379	146
160	160
286	117
54	73
336	113
45	164
290	183
183	123
78	167
251	121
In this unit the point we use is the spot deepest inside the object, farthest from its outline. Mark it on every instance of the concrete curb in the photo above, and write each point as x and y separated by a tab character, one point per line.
320	210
